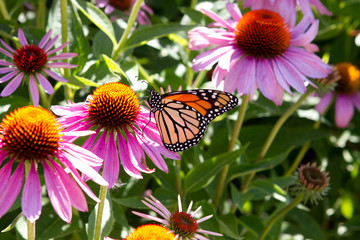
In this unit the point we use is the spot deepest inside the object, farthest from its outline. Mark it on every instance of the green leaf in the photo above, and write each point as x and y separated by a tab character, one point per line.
261	188
252	223
112	65
266	164
347	206
96	16
240	198
200	176
144	34
107	219
86	81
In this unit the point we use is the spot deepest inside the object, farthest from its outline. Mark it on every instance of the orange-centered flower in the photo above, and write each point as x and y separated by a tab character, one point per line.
30	133
114	105
350	78
151	232
262	34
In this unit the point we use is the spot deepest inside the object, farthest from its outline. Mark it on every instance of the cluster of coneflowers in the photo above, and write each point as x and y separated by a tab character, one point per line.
263	49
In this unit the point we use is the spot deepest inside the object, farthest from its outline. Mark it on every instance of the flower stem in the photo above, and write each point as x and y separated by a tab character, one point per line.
3	10
301	153
234	137
118	49
30	226
41	13
103	190
281	213
199	78
69	95
178	177
280	122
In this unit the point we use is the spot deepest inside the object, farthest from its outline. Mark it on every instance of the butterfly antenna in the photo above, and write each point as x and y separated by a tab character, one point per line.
142	130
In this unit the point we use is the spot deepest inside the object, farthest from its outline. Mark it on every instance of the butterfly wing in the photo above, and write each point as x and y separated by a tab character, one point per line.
182	116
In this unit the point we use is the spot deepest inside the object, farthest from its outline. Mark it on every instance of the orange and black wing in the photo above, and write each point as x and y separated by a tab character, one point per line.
182	116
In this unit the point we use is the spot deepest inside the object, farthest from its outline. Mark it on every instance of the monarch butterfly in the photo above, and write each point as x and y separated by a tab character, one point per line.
182	116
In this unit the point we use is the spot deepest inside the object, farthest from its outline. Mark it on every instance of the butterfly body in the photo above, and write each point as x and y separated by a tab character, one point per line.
182	116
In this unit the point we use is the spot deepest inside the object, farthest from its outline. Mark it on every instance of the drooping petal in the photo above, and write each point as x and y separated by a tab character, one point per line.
12	189
31	196
125	158
46	85
57	193
306	37
265	79
206	60
5	173
77	197
356	100
34	91
344	110
247	75
9	76
324	102
88	157
111	161
12	85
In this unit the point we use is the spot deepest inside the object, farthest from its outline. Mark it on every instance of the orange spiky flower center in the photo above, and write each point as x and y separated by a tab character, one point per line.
30	58
183	224
151	232
113	105
349	78
30	133
122	5
262	34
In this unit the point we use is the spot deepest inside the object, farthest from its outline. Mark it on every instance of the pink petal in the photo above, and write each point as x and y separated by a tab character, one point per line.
46	85
234	11
217	18
320	7
50	44
22	38
324	102
45	39
54	75
83	155
77	197
6	63
57	193
111	161
62	56
7	70
12	85
344	110
5	173
7	46
12	189
60	65
31	196
55	49
265	79
6	53
155	156
356	100
9	76
247	72
206	60
307	37
218	75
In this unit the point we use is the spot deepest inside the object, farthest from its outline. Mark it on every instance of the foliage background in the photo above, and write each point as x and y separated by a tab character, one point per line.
158	54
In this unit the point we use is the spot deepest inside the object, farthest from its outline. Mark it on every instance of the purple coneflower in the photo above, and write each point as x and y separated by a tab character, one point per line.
126	7
288	8
258	50
31	136
182	224
31	63
114	111
346	93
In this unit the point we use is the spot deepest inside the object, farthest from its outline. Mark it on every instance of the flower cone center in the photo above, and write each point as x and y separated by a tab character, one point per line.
151	232
313	178
350	77
113	105
122	5
30	58
183	224
262	34
30	133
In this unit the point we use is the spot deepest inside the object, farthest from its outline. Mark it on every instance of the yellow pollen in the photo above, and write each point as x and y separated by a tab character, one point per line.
113	105
350	78
262	34
30	133
151	232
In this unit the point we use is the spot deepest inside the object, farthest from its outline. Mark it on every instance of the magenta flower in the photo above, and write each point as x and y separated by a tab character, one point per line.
126	7
182	224
114	111
31	63
347	95
288	8
258	50
31	136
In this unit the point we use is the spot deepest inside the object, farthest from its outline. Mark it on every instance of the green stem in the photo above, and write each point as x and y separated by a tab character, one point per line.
199	78
273	134
237	127
147	77
301	153
118	49
41	13
3	10
281	213
178	177
103	190
68	92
